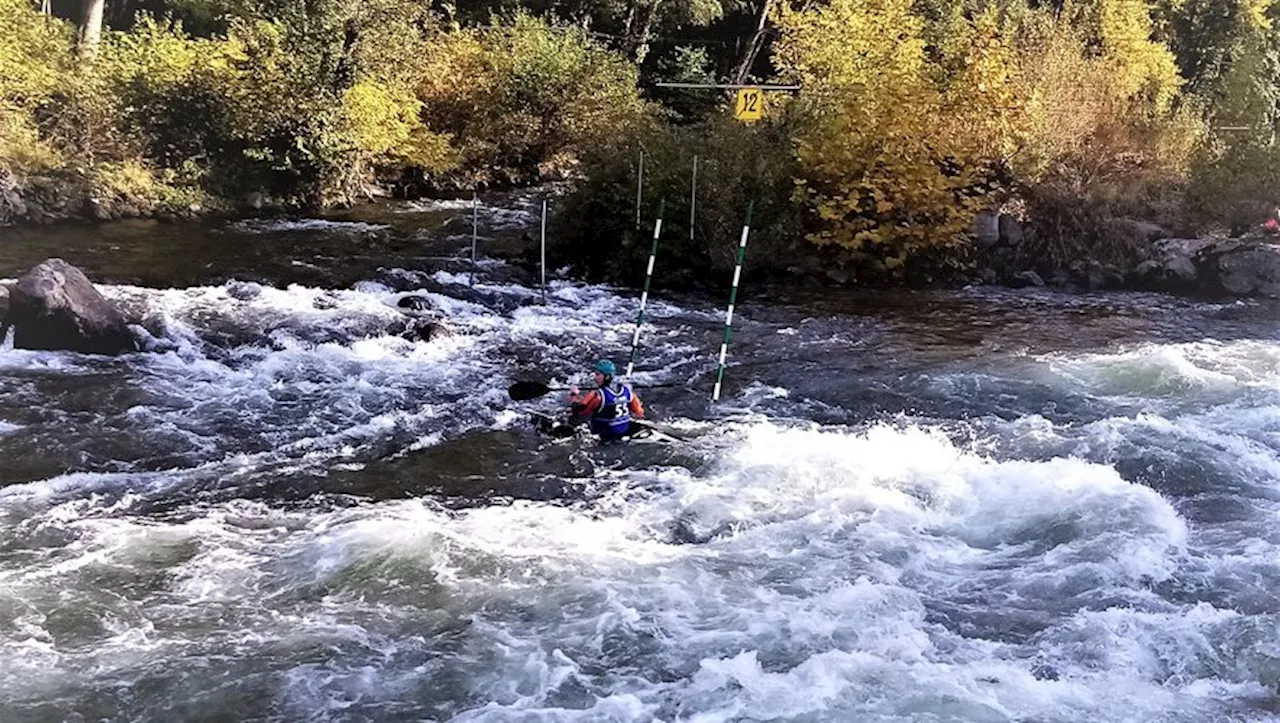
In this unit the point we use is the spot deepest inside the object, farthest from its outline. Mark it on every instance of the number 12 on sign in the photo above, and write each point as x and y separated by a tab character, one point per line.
750	105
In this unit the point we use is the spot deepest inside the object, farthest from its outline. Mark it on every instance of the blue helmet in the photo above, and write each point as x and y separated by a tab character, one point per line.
606	367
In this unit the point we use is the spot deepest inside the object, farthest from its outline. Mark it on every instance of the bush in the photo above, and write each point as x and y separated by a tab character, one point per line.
1104	136
35	59
524	100
892	165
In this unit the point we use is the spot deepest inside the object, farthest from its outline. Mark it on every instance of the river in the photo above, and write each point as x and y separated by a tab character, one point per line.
963	505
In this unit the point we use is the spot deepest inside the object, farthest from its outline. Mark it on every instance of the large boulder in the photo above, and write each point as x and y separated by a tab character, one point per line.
986	228
1241	267
1173	266
1010	230
55	307
1212	267
4	312
12	206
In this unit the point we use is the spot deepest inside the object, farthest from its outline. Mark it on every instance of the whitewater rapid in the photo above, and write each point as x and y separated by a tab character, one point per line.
932	510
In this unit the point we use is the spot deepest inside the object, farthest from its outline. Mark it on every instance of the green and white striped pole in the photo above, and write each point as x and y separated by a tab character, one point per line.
644	296
733	298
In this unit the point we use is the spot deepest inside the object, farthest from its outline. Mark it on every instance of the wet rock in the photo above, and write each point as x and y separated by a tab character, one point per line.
427	331
1061	279
1097	277
690	529
839	277
402	281
416	303
243	290
1009	230
54	306
1024	279
326	301
12	205
1044	671
1241	268
986	228
4	311
99	209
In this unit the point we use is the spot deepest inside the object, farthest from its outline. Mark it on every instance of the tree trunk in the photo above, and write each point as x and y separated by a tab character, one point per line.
46	7
646	33
752	49
91	27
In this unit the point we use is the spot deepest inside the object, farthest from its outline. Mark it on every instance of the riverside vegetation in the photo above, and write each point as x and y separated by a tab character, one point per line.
1080	119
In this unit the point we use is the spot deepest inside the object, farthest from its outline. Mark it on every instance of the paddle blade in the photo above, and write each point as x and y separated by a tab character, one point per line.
524	391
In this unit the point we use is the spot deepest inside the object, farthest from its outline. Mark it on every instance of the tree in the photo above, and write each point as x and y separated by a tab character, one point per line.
91	26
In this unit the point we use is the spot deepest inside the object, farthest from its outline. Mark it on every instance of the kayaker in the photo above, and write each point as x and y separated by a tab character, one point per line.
609	408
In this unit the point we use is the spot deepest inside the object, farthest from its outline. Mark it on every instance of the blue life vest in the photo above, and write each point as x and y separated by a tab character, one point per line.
613	418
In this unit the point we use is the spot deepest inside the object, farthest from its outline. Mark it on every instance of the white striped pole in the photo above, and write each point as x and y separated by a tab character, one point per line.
544	253
475	222
639	188
733	298
644	296
693	198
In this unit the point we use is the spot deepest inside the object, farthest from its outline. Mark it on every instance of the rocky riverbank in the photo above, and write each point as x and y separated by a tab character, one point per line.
1006	253
68	197
1150	259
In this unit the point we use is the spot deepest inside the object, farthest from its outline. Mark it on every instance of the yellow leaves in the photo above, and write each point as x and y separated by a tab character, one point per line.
381	119
1141	65
1255	13
35	53
853	46
891	165
523	96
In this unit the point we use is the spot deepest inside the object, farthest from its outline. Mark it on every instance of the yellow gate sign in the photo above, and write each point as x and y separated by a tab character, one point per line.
750	105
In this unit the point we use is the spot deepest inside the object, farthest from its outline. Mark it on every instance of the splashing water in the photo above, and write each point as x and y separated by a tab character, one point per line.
292	511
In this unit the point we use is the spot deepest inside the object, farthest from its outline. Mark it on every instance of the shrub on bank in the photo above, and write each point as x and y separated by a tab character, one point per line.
305	103
522	100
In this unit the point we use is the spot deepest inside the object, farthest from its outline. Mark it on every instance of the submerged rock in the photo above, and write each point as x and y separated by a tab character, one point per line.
416	302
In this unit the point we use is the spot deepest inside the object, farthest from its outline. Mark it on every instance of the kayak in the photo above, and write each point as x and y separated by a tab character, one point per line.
640	429
546	424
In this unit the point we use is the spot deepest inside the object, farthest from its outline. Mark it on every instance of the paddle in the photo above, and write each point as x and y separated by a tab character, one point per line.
524	391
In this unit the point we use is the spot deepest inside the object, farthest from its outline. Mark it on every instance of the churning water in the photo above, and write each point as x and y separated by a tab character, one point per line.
968	505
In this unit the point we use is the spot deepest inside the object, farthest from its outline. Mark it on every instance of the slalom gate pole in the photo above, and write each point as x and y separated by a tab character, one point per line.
475	222
644	296
693	198
544	253
639	188
733	298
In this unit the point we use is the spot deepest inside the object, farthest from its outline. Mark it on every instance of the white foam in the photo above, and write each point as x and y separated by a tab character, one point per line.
874	572
313	225
1174	370
493	217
